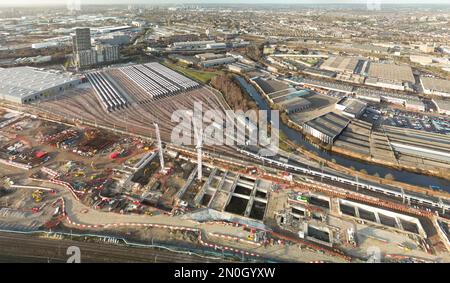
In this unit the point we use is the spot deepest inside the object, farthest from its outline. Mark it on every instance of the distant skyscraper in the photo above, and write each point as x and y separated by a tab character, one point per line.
82	40
73	5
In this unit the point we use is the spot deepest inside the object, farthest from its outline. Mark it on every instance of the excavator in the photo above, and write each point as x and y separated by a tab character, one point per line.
37	196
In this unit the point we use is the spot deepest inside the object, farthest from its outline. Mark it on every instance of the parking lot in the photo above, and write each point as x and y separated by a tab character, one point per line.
406	119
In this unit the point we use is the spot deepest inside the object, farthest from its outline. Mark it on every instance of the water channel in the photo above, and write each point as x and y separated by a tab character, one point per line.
372	169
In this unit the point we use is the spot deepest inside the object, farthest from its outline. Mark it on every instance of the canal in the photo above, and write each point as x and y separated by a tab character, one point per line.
372	169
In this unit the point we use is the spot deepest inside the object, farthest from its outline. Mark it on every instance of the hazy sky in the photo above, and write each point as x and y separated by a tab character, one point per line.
63	2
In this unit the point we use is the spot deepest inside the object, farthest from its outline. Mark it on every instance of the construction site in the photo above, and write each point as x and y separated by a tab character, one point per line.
99	159
96	180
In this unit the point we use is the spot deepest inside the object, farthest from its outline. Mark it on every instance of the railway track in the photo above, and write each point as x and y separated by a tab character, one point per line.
33	249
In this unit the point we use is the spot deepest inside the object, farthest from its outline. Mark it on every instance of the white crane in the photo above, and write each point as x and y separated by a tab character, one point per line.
199	137
161	157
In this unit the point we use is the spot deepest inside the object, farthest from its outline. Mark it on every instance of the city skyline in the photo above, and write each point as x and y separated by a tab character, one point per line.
229	131
237	2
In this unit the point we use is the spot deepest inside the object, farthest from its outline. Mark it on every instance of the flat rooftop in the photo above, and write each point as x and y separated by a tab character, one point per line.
377	93
436	84
342	87
340	63
330	124
294	102
279	97
270	86
24	81
391	72
420	143
353	106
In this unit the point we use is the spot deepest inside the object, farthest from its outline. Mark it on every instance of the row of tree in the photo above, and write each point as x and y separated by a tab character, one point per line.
233	93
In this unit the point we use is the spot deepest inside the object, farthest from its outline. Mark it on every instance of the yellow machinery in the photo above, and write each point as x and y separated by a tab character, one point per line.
37	195
80	174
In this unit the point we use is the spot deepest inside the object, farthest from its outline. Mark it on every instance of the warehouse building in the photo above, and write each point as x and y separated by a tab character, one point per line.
26	84
327	127
192	44
391	76
209	56
368	95
340	64
217	62
294	104
352	108
240	68
408	101
318	84
435	86
409	142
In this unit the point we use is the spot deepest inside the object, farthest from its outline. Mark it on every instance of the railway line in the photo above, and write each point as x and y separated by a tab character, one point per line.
141	115
137	114
419	200
143	111
33	249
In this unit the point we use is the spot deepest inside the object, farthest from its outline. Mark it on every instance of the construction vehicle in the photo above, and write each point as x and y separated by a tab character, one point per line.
80	174
37	196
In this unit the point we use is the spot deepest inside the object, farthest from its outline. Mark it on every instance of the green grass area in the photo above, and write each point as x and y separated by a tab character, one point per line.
201	76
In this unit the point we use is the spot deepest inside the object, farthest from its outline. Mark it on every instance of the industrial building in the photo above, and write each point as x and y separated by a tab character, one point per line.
318	84
216	45
422	60
113	39
26	84
435	86
327	127
193	44
340	64
240	68
291	100
209	56
408	101
368	94
217	62
391	76
294	104
157	80
352	108
109	96
420	144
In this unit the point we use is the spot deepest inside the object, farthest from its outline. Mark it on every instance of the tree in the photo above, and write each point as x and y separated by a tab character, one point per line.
232	92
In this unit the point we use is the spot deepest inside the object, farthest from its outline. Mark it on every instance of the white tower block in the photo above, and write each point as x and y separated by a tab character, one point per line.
161	157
